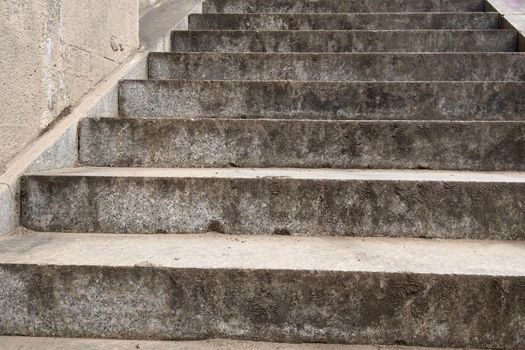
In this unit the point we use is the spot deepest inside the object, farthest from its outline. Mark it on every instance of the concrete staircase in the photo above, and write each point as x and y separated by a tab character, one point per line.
294	171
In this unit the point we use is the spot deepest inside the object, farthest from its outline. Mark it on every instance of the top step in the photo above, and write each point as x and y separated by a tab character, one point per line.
340	6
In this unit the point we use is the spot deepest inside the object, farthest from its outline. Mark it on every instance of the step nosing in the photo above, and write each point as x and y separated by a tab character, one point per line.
346	30
291	174
255	118
214	251
319	82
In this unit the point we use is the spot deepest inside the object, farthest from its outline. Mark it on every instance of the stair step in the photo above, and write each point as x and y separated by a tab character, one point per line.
345	41
289	289
323	100
164	143
393	203
344	21
340	6
338	66
37	343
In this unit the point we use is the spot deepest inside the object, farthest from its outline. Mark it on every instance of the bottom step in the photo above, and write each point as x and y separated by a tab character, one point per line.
28	343
283	289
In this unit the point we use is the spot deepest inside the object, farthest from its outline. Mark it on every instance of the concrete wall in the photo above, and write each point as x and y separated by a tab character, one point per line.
144	5
53	52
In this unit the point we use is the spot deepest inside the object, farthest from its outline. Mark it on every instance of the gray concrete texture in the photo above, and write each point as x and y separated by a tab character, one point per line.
338	66
338	6
344	21
59	146
159	21
323	100
37	343
277	201
512	16
54	51
272	289
345	41
129	142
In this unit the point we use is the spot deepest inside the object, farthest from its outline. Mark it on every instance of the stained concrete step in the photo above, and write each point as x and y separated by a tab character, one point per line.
288	289
338	66
345	41
164	143
393	203
340	6
38	343
323	100
344	21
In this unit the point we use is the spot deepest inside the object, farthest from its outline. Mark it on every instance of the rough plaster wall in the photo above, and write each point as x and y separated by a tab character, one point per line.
53	52
21	67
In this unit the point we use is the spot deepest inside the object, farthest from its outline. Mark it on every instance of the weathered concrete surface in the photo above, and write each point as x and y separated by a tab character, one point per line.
277	201
157	24
324	100
58	147
512	16
54	51
460	294
8	208
338	66
36	343
164	143
345	41
338	6
516	22
344	21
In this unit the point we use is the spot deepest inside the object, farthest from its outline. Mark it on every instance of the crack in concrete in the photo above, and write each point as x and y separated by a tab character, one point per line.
91	52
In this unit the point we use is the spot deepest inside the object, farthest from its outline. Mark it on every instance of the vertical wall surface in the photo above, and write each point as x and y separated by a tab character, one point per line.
53	52
144	5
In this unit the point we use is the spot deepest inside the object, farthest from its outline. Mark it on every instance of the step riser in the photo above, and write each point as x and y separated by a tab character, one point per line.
338	67
323	100
344	41
165	143
338	6
476	210
343	21
269	305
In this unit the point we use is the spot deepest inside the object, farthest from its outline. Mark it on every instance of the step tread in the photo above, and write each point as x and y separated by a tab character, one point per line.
37	343
292	173
216	251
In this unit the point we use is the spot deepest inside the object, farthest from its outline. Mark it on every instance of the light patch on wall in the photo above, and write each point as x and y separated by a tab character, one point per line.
53	75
